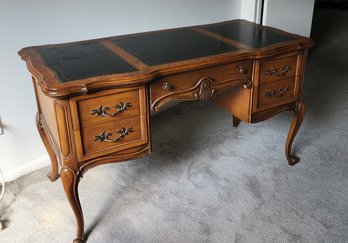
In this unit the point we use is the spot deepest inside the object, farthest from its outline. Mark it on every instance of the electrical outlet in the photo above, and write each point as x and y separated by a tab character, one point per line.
1	129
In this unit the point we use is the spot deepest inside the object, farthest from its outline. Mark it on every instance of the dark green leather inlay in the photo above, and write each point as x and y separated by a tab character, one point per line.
248	34
171	46
83	60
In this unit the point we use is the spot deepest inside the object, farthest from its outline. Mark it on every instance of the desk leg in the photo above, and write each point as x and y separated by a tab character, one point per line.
297	118
70	180
235	121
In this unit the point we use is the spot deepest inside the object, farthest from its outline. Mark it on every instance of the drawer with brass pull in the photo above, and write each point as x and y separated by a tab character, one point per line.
112	136
200	84
108	106
277	69
277	93
109	121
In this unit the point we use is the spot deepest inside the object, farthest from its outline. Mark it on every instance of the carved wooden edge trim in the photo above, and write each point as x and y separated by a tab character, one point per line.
266	114
121	156
66	135
63	129
201	91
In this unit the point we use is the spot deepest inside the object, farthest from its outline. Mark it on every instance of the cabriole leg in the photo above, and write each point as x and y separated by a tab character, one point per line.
297	118
70	180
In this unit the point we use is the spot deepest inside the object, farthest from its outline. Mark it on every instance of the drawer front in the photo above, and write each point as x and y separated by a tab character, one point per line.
277	93
277	69
108	106
99	132
112	136
199	84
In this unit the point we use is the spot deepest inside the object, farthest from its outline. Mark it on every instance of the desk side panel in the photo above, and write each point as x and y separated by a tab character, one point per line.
47	115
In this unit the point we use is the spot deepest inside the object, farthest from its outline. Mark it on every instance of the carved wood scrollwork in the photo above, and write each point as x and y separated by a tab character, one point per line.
205	92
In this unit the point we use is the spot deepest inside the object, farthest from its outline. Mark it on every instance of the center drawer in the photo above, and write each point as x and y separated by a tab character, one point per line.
109	121
199	84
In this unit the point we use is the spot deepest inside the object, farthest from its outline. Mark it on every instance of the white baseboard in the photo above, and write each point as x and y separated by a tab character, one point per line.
26	169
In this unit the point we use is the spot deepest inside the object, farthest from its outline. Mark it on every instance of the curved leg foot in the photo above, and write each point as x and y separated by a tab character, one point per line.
53	175
297	118
70	182
235	121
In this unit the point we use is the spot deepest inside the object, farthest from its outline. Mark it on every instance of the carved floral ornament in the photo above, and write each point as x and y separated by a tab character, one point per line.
205	92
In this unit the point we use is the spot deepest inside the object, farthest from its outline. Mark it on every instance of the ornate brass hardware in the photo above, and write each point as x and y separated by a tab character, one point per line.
241	70
247	85
273	71
272	93
101	111
167	86
285	69
104	137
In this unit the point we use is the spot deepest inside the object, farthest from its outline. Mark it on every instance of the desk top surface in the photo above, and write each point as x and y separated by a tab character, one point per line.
139	57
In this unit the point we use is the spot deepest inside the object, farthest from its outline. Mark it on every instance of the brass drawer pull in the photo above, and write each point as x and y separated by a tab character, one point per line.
272	93
167	86
104	137
273	71
101	111
241	70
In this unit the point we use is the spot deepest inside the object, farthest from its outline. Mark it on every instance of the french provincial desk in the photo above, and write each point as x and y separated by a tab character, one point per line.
94	97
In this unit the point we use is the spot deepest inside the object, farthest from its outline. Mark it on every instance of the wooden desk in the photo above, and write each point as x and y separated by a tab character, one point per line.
94	97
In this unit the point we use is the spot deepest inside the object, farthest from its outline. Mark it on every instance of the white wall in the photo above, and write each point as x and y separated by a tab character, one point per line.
249	10
294	16
34	22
